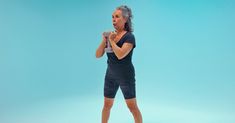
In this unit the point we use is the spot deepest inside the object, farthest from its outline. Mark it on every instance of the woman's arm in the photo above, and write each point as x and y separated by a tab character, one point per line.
120	52
100	49
123	51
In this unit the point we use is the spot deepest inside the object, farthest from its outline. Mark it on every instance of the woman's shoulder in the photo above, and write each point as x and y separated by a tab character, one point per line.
130	38
130	35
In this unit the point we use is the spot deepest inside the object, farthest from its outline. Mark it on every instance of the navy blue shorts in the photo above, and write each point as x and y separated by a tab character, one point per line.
112	84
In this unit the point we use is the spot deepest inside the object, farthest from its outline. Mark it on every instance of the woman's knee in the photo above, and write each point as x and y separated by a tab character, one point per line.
131	104
132	107
108	103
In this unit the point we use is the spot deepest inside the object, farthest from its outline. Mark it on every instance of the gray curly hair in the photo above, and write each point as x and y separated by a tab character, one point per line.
126	13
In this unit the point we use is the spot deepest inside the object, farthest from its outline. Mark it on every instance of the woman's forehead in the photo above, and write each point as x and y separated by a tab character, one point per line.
117	12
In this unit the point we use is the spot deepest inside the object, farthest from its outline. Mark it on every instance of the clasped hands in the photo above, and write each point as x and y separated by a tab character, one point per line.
112	38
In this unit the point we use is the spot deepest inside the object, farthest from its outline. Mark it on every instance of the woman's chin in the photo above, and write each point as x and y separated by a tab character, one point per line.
115	27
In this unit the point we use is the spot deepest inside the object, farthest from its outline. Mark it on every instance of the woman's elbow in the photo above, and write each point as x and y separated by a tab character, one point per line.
98	55
120	57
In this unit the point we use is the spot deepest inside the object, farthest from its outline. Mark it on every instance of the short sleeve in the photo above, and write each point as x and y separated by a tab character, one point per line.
130	38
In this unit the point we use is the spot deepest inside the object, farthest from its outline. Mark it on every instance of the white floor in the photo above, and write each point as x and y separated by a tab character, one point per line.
88	110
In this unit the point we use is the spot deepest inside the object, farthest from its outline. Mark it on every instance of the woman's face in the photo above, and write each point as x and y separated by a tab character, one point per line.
118	20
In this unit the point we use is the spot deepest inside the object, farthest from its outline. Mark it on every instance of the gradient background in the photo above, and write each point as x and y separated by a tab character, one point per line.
184	60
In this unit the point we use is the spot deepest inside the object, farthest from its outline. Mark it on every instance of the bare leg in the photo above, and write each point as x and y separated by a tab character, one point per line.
108	103
132	105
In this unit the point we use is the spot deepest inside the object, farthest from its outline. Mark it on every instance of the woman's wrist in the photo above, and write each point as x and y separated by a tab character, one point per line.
112	42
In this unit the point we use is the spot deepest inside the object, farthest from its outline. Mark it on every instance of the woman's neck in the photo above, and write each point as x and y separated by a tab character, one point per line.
120	31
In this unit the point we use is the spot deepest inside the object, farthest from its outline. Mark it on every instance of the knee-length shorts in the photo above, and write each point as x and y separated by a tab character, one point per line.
112	83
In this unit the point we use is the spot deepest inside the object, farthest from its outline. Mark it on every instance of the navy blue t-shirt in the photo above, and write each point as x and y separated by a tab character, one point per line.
122	68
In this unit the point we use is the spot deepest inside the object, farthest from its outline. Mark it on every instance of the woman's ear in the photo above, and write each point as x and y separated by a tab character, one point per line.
125	19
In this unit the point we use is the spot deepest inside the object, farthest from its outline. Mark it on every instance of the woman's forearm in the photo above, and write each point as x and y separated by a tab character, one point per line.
100	50
123	51
117	51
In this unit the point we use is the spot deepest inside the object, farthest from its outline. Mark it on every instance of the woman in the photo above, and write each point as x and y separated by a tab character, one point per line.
120	71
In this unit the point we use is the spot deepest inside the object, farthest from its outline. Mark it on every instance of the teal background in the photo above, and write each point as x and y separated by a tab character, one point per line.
184	61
